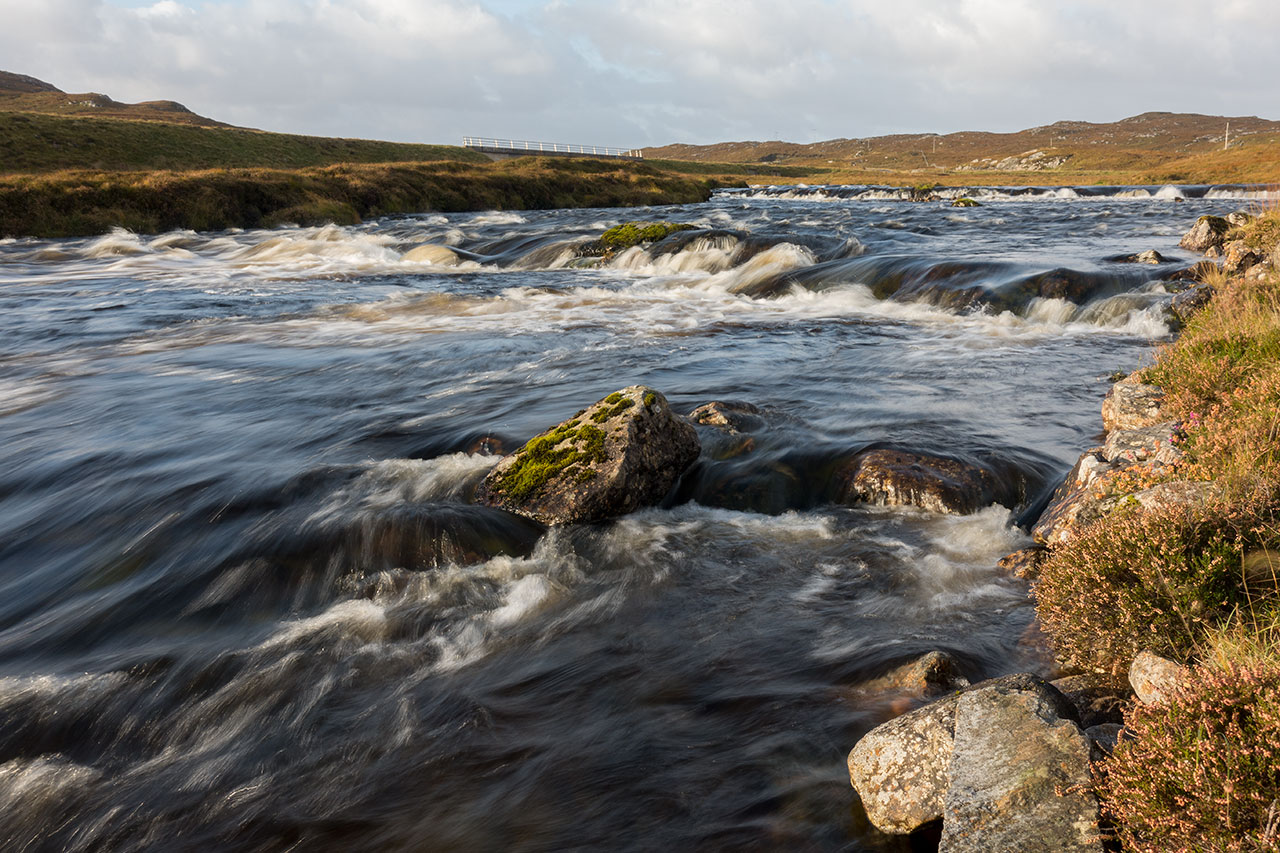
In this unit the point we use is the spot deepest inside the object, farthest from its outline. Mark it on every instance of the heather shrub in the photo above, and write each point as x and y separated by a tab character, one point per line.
1202	772
1149	579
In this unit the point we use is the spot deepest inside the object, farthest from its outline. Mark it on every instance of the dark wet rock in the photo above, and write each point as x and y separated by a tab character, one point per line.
735	417
1103	739
1238	257
965	202
1024	563
1075	503
1020	774
1157	443
1154	678
1208	232
1097	698
623	453
1151	256
903	478
1132	404
929	675
902	768
489	445
1189	302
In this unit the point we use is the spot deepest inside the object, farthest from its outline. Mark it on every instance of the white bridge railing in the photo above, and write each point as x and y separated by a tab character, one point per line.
548	147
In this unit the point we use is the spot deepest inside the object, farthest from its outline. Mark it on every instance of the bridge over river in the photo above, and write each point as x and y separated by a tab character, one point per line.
502	149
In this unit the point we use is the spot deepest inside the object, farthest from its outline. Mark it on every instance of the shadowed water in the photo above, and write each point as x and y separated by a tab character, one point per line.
247	604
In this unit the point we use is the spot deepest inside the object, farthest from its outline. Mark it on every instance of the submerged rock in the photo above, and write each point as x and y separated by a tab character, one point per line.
735	417
431	253
1151	256
1209	232
903	478
623	453
928	675
965	202
1020	775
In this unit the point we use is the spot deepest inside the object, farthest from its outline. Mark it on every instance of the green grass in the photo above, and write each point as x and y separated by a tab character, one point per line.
36	143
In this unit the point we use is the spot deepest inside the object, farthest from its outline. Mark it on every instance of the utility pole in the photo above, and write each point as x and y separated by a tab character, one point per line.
1226	137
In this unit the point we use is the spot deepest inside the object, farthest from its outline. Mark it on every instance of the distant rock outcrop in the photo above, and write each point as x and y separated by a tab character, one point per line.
21	84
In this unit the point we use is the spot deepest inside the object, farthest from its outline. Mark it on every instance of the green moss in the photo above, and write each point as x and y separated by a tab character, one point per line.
650	398
550	455
965	202
630	234
620	405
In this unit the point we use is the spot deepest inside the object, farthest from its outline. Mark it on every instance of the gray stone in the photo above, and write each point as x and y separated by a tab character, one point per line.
1075	503
1177	493
905	478
1020	774
1238	256
623	453
1208	232
1155	443
1131	404
1154	678
1190	302
901	769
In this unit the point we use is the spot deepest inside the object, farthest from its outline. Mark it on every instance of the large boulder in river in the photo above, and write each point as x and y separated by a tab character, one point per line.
1209	232
901	769
1132	404
904	478
623	453
1020	774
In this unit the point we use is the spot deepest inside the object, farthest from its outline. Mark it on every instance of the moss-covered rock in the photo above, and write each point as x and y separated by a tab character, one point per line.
623	453
1209	232
965	202
630	234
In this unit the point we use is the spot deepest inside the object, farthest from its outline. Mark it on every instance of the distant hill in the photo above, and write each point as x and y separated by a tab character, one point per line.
43	129
1146	141
21	84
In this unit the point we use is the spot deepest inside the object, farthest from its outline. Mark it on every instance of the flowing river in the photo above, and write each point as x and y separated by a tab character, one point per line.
247	604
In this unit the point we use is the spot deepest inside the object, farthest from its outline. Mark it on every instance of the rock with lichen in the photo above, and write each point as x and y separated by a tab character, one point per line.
1209	232
623	453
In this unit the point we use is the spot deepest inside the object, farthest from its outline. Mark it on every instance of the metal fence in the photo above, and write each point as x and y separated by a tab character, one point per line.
504	145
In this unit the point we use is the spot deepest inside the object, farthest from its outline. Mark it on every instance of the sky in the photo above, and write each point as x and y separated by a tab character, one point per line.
633	73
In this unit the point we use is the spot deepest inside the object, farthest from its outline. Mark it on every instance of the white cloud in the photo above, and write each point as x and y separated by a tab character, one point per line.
649	72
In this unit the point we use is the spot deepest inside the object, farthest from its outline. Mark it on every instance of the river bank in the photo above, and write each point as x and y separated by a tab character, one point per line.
1155	574
84	203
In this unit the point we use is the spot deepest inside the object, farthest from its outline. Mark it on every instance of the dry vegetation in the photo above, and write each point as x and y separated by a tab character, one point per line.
1199	583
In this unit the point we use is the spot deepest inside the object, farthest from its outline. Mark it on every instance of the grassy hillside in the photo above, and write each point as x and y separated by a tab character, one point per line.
1149	148
31	142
